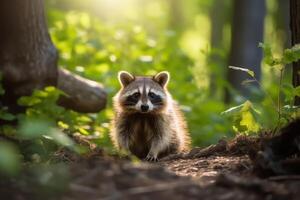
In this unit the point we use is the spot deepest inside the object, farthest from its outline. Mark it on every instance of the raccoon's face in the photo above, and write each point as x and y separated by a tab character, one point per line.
143	94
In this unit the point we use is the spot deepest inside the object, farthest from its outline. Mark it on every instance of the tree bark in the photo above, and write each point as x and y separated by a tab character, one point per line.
295	30
247	32
28	58
83	95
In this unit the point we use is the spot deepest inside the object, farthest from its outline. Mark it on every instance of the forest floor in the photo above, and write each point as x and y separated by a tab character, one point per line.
218	172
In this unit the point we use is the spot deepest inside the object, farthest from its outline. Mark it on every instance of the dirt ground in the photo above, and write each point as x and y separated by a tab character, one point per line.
222	171
219	172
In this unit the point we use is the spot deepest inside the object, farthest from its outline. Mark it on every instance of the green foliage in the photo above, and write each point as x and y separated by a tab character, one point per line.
97	50
45	119
96	45
244	120
97	38
43	127
244	116
10	161
42	105
288	56
5	115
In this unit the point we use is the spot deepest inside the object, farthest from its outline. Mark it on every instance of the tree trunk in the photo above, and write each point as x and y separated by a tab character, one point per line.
28	58
247	32
83	95
216	62
295	30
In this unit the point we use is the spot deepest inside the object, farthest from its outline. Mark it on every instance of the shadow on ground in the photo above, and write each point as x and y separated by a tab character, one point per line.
218	172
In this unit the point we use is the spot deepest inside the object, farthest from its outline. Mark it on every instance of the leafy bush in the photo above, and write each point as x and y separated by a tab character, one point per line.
42	128
244	120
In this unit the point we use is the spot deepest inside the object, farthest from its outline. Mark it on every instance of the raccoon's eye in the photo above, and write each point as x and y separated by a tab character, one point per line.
132	99
136	95
154	98
151	95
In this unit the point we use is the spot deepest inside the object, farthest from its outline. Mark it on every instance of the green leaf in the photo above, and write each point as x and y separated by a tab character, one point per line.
244	120
232	110
251	73
83	131
290	108
250	106
297	91
249	122
288	56
28	101
34	128
62	125
7	116
268	54
10	161
60	138
291	55
288	91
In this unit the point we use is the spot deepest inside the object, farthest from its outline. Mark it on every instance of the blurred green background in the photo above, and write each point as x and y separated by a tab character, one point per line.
97	38
195	40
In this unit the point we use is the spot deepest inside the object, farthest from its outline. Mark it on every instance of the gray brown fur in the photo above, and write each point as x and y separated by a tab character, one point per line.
156	133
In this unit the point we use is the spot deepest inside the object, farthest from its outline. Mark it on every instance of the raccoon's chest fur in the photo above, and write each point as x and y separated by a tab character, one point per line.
141	130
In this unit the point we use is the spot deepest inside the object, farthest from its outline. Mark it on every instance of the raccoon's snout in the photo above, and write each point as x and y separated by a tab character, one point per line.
144	107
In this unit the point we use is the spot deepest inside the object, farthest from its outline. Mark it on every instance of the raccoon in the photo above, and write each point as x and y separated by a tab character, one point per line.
147	120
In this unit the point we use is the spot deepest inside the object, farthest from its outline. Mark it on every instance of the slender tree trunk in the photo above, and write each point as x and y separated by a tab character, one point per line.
28	58
247	32
218	19
295	30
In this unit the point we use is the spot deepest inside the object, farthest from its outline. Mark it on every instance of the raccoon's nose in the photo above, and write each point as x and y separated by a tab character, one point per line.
144	108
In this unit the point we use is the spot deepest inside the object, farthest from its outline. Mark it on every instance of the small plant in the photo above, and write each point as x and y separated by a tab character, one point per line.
244	113
244	117
42	105
44	126
288	56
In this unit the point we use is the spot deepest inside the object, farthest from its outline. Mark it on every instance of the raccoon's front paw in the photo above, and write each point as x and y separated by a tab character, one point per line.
151	158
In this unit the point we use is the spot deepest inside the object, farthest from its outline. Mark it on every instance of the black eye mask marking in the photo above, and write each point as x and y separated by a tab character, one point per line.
155	99
132	99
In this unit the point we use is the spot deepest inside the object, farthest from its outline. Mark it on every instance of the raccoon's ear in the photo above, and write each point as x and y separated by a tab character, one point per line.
162	78
125	78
